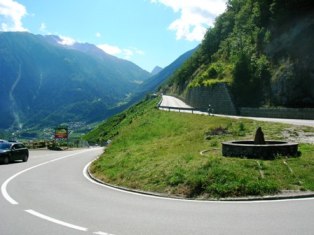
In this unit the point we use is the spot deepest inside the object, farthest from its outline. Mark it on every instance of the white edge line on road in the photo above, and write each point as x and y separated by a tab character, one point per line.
102	233
188	200
5	184
44	217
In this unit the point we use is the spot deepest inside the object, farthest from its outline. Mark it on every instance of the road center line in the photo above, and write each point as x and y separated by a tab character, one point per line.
5	184
50	219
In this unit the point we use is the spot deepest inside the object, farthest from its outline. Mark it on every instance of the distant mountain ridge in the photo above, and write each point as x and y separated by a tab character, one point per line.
92	50
45	83
156	70
162	76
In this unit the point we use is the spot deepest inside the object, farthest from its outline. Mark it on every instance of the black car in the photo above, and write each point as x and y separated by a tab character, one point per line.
11	151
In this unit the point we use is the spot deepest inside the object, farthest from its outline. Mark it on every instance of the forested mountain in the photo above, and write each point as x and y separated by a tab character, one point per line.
263	50
123	68
45	83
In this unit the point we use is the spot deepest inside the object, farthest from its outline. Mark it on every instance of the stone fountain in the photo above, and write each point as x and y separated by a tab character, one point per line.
259	148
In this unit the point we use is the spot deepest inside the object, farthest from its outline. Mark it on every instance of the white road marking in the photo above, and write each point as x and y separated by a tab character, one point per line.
5	192
56	221
5	184
102	233
37	214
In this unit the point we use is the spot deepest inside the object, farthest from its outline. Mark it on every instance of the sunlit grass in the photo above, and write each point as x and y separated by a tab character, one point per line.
160	151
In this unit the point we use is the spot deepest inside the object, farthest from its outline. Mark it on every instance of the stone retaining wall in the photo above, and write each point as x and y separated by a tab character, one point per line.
218	96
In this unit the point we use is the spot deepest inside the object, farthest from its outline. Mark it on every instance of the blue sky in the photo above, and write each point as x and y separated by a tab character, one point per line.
146	32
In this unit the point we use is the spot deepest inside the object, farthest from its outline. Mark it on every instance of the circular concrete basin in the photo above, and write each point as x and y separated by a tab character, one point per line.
269	150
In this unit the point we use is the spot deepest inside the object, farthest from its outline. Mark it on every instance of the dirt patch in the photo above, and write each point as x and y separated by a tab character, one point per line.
299	136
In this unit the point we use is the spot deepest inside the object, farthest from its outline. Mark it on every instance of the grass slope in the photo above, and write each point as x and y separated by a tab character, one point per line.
159	151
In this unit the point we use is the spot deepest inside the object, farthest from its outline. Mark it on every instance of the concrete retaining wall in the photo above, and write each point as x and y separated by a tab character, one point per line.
218	96
220	99
278	113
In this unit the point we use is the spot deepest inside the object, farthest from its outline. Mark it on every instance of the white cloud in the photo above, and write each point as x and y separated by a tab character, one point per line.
138	51
11	14
112	50
67	41
98	35
127	53
43	27
195	16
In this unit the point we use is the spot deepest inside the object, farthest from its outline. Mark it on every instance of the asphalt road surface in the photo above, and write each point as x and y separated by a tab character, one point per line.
51	194
171	101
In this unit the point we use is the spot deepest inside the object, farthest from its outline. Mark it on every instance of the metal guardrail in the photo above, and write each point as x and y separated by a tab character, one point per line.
177	108
169	108
159	103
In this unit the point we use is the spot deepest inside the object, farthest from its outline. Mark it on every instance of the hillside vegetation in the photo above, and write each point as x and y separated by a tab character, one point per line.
264	51
160	151
44	83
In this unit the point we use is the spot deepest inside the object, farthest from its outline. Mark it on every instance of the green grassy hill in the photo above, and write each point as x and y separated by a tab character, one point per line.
159	151
263	50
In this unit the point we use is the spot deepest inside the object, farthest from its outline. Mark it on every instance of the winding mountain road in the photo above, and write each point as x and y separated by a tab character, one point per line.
51	194
170	101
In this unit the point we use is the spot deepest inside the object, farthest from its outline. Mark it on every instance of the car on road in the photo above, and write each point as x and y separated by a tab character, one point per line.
12	151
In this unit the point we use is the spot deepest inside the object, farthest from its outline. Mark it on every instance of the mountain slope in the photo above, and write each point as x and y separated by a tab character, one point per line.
264	51
155	81
126	69
45	83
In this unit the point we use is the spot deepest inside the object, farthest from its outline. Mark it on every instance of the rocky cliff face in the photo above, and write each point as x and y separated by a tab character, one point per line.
292	54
